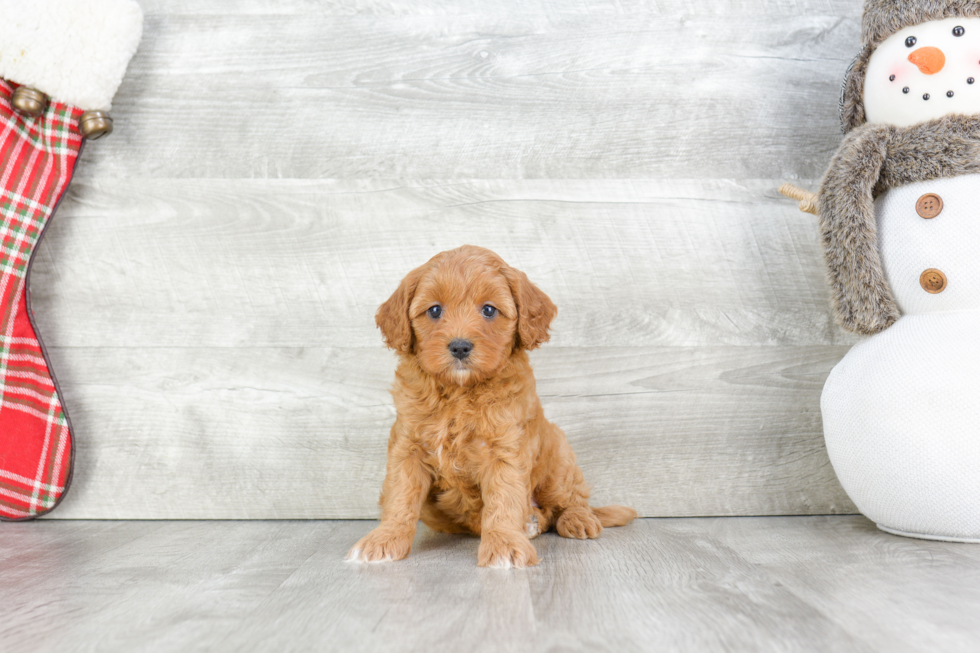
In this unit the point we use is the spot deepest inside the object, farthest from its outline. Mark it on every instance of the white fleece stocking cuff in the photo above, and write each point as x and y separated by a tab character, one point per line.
75	51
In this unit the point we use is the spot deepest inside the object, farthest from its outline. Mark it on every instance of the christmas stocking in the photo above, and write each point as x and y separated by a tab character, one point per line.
61	62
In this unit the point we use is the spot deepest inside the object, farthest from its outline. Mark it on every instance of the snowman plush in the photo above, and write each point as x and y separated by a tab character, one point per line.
900	224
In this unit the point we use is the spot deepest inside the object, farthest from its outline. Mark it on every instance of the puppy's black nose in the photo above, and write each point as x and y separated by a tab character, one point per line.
460	348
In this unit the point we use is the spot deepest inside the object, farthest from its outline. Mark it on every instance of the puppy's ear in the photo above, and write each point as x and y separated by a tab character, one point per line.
535	310
392	316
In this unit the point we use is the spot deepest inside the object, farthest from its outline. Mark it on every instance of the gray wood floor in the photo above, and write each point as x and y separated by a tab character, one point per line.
207	289
786	584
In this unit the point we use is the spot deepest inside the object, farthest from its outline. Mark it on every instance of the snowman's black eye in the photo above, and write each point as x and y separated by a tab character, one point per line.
958	31
905	90
925	96
910	41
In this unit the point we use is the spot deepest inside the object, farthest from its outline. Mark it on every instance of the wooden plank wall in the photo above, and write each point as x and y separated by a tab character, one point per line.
207	290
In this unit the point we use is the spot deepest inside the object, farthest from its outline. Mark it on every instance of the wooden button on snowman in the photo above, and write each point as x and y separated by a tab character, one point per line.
900	225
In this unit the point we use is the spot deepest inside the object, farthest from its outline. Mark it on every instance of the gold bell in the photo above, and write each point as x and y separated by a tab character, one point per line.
95	124
29	101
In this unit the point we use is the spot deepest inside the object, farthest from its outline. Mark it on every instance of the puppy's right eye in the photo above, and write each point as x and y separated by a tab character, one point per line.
435	311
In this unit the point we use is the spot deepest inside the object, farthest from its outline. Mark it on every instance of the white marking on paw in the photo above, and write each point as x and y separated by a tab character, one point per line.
357	555
532	527
387	558
501	563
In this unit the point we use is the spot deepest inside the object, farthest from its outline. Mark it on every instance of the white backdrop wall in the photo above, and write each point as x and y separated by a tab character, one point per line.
207	289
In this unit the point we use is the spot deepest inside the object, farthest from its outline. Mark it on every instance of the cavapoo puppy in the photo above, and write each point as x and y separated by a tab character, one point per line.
471	450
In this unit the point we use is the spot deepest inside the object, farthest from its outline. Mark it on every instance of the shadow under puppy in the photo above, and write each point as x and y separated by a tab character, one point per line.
471	450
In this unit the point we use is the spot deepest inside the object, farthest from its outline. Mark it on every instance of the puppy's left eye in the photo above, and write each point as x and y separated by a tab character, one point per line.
489	311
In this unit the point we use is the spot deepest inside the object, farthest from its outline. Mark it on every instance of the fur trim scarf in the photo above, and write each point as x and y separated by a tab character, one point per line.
872	159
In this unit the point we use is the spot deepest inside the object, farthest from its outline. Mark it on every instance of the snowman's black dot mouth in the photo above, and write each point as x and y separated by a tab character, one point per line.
969	80
949	94
891	78
905	90
925	96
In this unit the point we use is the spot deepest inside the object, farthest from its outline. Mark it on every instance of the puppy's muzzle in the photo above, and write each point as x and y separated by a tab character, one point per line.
460	349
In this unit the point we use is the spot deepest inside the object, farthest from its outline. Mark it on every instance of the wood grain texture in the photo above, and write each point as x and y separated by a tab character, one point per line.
786	584
208	287
302	433
162	9
297	263
658	90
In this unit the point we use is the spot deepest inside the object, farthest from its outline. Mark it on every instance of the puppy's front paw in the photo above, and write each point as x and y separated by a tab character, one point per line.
382	545
505	550
578	523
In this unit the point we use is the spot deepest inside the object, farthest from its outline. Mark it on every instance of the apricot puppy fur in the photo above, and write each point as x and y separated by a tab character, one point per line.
471	450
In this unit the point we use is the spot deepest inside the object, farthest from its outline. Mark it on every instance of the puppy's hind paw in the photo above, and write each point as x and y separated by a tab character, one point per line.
578	523
506	550
381	546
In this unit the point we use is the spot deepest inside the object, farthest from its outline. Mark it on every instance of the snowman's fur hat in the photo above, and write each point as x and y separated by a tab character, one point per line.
881	19
872	159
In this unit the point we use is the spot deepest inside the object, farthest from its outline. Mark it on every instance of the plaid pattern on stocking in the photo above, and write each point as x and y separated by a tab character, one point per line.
37	158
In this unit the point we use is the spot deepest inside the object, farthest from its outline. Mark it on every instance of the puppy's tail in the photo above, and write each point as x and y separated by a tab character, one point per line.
614	515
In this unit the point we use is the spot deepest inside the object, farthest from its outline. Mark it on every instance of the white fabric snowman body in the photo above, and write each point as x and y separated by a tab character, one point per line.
901	411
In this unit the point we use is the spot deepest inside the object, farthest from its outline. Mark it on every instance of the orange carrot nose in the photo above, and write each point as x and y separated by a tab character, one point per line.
930	60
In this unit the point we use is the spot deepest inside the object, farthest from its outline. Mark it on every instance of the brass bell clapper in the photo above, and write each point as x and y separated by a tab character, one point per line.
32	102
